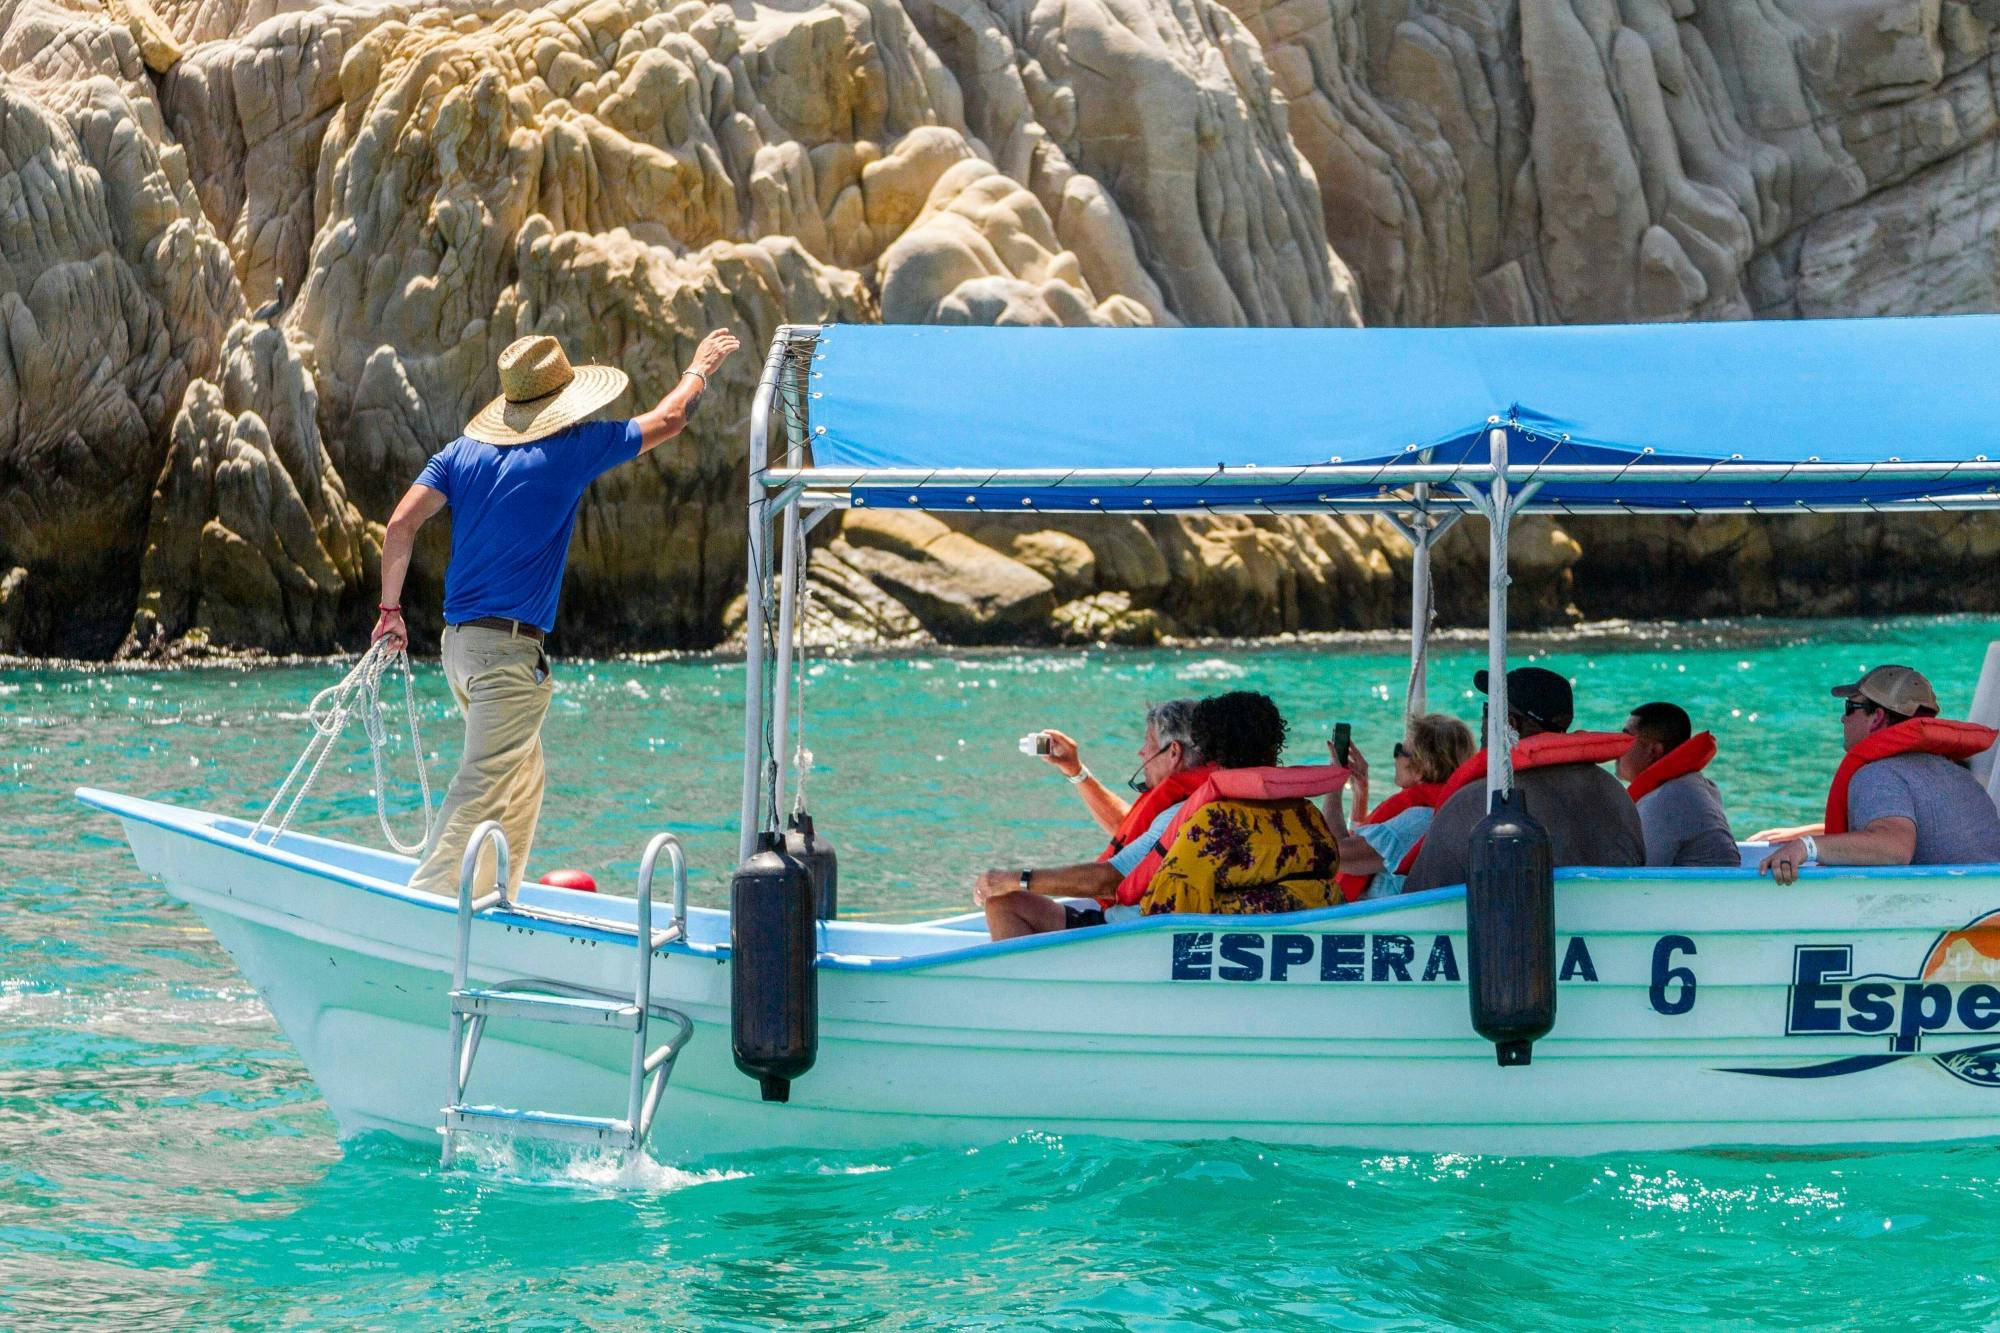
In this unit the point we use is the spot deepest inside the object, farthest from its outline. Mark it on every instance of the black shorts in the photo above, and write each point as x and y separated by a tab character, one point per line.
1076	918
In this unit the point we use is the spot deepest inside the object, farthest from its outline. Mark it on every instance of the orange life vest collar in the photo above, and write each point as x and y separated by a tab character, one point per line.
1546	750
1151	802
1233	784
1424	795
1429	795
1690	756
1919	735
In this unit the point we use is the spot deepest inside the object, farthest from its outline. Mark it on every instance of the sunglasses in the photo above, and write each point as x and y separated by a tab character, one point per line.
1137	782
1402	751
1858	706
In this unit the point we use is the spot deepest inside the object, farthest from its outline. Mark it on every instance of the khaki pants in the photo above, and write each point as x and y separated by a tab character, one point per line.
502	685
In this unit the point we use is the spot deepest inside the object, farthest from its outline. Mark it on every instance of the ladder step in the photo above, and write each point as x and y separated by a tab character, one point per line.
619	1015
591	1129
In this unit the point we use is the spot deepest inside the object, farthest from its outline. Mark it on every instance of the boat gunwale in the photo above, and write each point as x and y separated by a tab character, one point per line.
200	825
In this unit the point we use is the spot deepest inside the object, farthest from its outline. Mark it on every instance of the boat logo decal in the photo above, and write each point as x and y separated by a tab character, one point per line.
1955	993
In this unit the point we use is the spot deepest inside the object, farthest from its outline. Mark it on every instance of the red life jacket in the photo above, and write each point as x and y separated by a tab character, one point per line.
1919	735
1547	750
1232	784
1690	756
1151	802
1429	795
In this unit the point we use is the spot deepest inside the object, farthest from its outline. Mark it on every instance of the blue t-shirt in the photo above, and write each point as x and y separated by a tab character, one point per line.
1127	858
512	510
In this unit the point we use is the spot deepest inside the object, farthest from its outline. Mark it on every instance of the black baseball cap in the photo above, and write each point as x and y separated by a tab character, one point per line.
1536	692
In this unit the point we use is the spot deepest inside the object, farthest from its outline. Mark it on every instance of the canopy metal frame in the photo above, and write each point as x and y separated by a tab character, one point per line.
1422	498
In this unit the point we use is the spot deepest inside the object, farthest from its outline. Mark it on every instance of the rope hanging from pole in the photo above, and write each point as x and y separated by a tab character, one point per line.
802	757
358	692
770	590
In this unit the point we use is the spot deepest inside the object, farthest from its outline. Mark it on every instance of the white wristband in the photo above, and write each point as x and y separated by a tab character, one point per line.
1082	775
1812	846
698	375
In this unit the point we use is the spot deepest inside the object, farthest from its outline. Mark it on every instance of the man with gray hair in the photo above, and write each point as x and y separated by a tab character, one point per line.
1025	902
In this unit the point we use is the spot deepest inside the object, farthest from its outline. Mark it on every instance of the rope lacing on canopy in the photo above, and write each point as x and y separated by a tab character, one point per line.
359	691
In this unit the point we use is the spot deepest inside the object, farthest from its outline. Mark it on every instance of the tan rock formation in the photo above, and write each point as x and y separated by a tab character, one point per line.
252	537
1508	161
959	590
430	181
114	297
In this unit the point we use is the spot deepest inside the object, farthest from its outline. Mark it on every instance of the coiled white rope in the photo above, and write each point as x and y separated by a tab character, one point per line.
360	691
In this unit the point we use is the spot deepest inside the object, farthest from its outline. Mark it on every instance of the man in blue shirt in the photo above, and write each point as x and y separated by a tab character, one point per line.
514	481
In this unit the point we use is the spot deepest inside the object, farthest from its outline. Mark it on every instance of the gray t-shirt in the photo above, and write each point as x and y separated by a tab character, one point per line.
1685	825
1956	821
1589	818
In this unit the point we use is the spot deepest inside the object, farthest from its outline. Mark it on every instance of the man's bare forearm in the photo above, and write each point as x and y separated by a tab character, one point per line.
1092	880
1883	843
416	507
679	404
1103	804
397	543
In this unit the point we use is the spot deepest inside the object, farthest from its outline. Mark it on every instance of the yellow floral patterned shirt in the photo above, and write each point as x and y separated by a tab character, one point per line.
1244	857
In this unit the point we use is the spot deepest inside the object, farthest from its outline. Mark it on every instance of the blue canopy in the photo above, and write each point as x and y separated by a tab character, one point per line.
1770	414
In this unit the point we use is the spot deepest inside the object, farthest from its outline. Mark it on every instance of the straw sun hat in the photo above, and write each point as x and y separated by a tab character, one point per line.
541	393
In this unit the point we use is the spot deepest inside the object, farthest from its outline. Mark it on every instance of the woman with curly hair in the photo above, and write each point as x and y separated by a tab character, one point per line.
1241	855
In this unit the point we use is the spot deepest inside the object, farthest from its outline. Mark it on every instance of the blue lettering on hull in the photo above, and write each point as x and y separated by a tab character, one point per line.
1827	998
1390	959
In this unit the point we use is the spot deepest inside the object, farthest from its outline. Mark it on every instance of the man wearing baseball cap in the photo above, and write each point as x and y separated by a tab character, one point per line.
1915	807
1589	818
514	481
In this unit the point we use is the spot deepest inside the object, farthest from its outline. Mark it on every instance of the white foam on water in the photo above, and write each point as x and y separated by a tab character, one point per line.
642	1175
1212	668
555	1167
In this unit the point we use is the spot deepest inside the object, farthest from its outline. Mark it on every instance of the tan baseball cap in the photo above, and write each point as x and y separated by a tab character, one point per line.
1899	689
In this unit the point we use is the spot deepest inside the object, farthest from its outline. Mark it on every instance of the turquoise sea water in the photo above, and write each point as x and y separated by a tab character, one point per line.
165	1161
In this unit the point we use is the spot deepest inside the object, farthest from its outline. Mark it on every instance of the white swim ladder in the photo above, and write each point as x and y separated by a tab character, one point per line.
555	1002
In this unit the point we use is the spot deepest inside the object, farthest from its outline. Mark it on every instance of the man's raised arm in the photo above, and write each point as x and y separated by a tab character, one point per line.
416	507
670	415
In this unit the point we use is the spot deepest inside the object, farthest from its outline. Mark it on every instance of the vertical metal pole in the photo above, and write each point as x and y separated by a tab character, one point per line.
1415	704
759	569
1499	759
781	695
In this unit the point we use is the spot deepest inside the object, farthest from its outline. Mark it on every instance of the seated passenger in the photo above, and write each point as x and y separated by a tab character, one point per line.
1126	820
1023	902
1589	818
1250	840
1903	795
1679	809
1382	846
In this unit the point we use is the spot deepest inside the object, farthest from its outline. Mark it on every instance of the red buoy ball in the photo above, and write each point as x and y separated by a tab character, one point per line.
579	880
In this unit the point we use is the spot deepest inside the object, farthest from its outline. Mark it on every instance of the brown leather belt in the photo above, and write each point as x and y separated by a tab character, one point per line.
520	627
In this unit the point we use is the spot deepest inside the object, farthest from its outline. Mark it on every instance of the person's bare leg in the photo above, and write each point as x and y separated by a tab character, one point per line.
1013	915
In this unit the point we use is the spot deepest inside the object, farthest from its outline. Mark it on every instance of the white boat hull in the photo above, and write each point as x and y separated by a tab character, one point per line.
1346	1028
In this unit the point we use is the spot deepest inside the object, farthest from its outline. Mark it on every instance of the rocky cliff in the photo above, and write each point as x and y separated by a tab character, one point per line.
257	258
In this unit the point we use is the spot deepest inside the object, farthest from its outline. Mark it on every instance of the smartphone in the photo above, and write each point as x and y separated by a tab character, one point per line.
1343	743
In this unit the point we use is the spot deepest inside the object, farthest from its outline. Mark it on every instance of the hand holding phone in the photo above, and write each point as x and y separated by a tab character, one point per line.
1343	743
